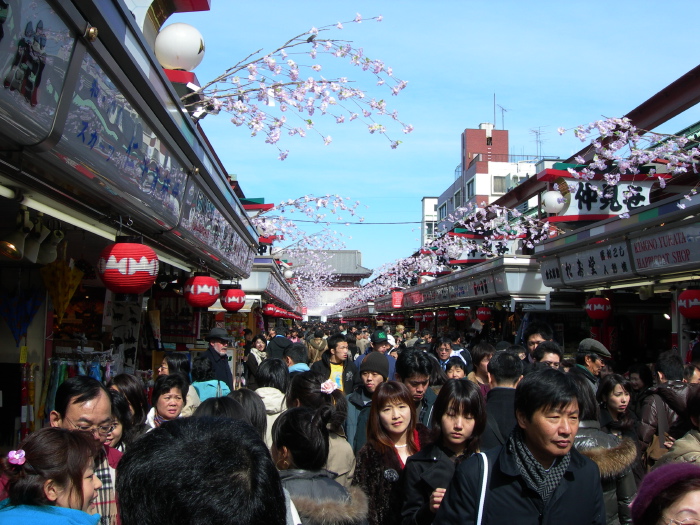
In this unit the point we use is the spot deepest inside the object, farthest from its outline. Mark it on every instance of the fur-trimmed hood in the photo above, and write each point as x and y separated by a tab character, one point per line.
322	501
613	457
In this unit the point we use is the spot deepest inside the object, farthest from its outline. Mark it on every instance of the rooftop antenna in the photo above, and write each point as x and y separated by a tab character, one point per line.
538	139
503	111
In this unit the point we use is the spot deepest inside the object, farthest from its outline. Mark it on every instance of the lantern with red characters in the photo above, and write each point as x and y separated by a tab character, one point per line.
483	314
689	304
201	290
232	299
128	267
460	315
443	315
598	308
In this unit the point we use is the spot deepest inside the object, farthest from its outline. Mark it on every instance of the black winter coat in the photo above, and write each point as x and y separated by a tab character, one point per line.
219	364
615	460
379	476
429	469
500	410
578	500
320	500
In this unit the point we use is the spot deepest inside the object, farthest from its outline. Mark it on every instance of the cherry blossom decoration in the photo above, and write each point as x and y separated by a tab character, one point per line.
283	91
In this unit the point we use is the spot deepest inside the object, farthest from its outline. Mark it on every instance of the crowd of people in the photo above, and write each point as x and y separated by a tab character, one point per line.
362	426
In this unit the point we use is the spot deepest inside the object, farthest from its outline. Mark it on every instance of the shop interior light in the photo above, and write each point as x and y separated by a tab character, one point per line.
49	248
37	236
12	246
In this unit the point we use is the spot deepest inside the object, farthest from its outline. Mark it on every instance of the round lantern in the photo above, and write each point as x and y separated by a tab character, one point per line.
201	291
232	299
553	201
598	308
689	304
417	317
443	315
179	46
396	299
128	267
483	314
428	316
460	315
268	309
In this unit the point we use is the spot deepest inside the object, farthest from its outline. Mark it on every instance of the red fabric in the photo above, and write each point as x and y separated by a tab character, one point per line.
113	456
416	440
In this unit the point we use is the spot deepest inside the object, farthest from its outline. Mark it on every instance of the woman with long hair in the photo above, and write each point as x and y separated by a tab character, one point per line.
393	435
459	419
255	358
50	479
133	390
311	390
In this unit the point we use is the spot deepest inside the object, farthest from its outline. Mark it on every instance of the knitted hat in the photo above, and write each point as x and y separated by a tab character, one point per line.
375	362
658	481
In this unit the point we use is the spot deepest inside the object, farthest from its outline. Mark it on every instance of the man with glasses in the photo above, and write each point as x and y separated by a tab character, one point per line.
83	403
219	340
589	361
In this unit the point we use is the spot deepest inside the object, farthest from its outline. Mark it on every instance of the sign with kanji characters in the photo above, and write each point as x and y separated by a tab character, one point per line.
599	199
605	262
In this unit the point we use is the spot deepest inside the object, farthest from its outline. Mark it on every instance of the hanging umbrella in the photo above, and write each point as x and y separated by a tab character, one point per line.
61	281
19	309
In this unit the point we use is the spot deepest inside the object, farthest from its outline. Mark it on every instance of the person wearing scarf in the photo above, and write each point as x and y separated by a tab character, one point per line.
536	477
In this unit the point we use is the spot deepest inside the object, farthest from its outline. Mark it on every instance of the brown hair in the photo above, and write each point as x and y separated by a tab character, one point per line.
377	436
50	453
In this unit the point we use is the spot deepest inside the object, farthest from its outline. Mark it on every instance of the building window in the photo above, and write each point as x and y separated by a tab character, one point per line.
458	199
442	212
470	189
430	228
499	184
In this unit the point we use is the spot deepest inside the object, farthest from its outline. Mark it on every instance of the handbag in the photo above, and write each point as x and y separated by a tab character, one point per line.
656	448
484	486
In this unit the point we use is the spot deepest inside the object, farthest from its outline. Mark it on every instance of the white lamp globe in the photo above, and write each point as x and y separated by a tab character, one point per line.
179	46
553	201
288	274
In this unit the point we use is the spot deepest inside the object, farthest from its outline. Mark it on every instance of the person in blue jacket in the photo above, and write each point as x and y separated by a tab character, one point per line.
50	479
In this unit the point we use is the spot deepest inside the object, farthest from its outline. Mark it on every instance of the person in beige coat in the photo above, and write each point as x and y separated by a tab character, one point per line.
273	379
687	448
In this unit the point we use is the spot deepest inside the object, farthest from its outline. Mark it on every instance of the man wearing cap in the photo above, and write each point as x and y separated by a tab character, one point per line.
374	370
218	340
379	342
589	361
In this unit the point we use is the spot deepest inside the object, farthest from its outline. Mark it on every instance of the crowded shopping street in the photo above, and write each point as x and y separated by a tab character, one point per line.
244	287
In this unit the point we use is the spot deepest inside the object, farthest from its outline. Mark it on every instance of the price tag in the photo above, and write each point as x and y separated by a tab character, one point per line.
23	354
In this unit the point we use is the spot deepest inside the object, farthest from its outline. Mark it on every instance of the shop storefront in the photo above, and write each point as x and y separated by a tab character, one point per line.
94	146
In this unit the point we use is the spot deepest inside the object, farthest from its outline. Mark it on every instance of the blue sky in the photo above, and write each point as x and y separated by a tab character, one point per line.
550	64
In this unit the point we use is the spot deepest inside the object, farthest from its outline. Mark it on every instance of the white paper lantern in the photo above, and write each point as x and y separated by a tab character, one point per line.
179	46
553	201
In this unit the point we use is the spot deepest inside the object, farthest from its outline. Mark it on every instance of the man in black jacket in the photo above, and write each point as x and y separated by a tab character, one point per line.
505	372
218	340
536	477
336	364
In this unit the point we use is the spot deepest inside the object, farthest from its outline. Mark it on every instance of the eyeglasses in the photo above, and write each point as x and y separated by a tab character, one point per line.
684	521
551	364
102	430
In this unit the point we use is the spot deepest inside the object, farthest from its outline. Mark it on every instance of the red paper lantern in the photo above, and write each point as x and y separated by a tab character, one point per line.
443	315
460	315
397	299
428	316
268	309
598	308
128	267
418	317
483	314
689	304
201	291
232	299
